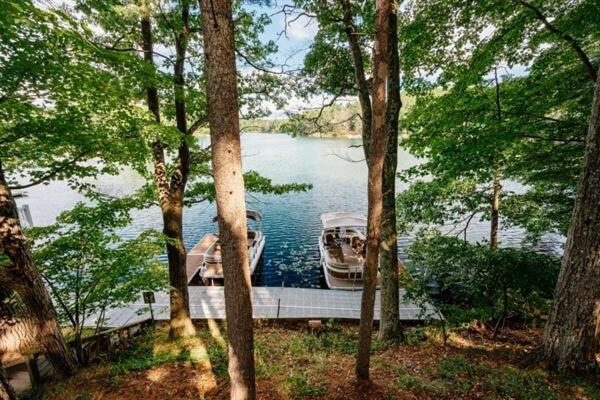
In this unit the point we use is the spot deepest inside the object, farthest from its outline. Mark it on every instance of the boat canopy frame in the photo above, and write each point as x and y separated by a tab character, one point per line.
343	219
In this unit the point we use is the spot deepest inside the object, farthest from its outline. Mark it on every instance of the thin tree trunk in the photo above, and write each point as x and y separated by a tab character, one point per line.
572	336
171	196
389	327
223	116
374	192
359	74
495	218
497	187
24	278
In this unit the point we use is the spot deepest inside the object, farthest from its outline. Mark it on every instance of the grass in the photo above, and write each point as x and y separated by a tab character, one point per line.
294	362
456	377
303	387
154	350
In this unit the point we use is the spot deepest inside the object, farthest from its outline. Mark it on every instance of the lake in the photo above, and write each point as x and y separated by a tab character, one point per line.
291	222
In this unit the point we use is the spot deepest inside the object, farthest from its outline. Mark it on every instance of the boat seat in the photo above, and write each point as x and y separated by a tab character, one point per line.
328	239
336	254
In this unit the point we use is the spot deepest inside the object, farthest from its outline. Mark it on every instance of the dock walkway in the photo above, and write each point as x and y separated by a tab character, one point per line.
208	302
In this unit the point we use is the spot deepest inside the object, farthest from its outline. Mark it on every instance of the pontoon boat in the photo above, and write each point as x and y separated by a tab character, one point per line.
204	264
343	248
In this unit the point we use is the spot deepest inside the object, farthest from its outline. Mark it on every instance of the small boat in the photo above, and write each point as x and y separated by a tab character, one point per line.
343	249
204	265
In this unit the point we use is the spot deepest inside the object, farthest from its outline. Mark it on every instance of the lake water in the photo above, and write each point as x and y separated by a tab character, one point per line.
291	222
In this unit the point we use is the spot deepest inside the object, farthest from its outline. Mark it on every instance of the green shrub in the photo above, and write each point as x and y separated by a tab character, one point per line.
476	282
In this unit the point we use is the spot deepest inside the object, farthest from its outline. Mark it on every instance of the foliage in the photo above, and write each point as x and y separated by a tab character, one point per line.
90	268
337	120
471	281
511	104
62	103
72	81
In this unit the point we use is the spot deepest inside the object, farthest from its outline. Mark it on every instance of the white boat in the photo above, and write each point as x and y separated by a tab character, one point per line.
204	265
343	248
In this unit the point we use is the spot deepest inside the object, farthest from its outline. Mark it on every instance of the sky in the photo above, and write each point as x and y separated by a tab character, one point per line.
294	42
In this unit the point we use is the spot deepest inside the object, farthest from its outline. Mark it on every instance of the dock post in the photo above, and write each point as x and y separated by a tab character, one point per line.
278	306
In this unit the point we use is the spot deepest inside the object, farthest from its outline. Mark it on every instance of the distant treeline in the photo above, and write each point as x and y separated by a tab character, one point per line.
340	119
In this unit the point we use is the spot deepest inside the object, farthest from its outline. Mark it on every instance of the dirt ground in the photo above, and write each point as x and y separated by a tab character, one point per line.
294	361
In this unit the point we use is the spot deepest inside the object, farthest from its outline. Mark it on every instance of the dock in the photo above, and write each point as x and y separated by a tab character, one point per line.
208	302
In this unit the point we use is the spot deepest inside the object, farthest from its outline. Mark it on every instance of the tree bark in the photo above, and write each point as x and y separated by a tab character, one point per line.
572	335
223	116
375	163
171	196
359	74
25	279
389	326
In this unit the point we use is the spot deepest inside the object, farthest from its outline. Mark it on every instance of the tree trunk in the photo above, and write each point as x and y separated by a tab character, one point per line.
497	187
24	278
180	323
171	196
572	335
495	218
223	116
389	326
375	162
6	390
359	74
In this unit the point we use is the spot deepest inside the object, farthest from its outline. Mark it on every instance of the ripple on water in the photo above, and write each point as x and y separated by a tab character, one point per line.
291	222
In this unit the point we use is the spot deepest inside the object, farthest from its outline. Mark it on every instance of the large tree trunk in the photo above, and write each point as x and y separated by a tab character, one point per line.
572	335
389	327
223	117
359	74
24	278
375	162
170	196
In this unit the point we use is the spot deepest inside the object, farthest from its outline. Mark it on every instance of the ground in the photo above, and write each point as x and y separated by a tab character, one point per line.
295	361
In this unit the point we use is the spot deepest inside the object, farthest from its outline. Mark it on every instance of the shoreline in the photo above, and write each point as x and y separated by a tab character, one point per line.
326	135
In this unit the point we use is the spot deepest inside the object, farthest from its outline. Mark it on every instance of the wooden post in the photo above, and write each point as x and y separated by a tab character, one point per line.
33	370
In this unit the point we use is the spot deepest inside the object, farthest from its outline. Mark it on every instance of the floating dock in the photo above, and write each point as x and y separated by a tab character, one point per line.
208	302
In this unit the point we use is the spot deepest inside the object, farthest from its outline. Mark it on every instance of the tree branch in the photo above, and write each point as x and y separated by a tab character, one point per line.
51	174
258	67
591	71
194	127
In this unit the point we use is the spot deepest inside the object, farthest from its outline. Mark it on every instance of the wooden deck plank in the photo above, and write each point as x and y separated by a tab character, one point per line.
208	302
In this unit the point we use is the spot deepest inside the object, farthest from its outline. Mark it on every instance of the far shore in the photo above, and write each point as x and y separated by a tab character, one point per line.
321	135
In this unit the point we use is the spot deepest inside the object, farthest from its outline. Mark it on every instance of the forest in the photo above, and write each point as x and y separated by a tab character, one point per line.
304	199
